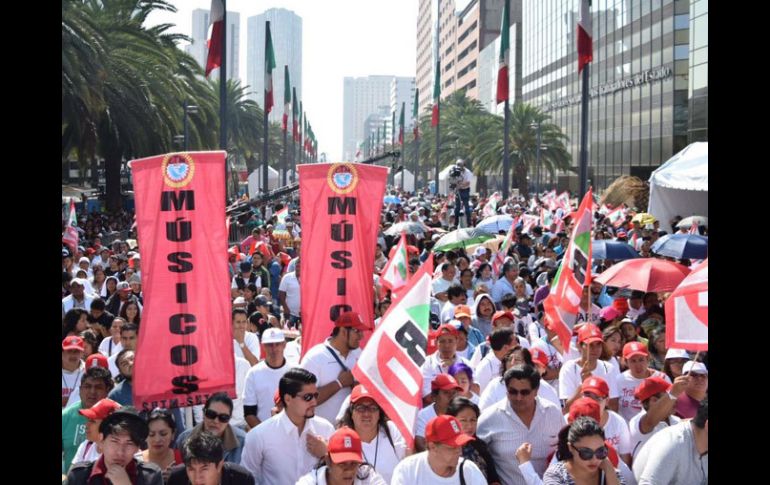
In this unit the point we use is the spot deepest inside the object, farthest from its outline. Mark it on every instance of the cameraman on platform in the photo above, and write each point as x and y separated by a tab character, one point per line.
460	182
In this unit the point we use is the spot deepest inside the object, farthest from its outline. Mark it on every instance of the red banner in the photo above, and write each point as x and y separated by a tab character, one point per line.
185	350
340	216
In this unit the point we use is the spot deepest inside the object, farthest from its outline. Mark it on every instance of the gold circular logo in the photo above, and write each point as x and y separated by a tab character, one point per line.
178	169
342	178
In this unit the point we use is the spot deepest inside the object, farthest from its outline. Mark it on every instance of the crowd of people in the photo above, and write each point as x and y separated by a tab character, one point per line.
503	401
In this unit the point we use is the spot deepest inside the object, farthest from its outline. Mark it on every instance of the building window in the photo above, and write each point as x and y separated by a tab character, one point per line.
681	22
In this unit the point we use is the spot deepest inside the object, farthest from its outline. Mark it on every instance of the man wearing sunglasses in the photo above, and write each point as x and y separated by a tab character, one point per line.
286	446
522	418
216	417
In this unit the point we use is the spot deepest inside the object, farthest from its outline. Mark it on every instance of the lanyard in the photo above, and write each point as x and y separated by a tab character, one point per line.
336	357
376	451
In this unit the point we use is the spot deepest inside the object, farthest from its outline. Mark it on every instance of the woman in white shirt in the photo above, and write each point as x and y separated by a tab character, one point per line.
111	345
382	444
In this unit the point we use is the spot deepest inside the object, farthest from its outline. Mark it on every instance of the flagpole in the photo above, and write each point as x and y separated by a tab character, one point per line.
506	153
223	91
584	134
265	186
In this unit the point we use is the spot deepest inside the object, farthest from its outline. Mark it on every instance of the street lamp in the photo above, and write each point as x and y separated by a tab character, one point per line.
537	126
188	108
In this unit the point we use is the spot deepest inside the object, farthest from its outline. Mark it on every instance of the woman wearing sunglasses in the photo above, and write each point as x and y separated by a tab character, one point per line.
582	456
216	417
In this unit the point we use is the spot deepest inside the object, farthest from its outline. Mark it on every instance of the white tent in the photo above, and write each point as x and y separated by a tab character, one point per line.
408	180
443	184
255	181
681	185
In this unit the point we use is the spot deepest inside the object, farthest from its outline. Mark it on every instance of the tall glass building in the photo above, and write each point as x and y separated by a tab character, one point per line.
639	108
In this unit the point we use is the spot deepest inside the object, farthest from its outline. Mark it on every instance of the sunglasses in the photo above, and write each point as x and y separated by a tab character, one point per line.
361	408
309	396
211	414
587	453
523	392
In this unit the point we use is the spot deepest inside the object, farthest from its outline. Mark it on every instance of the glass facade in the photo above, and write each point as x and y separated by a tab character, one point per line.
699	71
639	79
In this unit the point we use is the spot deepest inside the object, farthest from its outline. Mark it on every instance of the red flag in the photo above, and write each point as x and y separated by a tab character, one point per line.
215	42
687	312
185	348
337	201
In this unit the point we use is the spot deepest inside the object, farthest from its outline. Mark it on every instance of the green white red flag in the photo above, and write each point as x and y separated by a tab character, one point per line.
490	208
269	66
499	259
617	217
286	98
563	303
216	39
436	95
70	236
505	48
401	126
395	274
389	366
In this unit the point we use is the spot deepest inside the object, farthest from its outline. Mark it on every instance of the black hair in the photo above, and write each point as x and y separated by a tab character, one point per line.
454	291
703	414
126	420
252	288
128	327
92	338
219	397
481	268
236	311
382	422
522	372
100	373
293	381
98	304
445	266
500	337
70	321
459	403
507	267
165	415
508	300
581	427
203	447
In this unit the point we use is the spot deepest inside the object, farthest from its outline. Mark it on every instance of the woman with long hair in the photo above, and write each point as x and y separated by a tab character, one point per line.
90	342
657	348
109	288
131	313
383	447
111	345
675	361
613	346
98	279
74	322
484	275
162	427
343	464
582	455
467	413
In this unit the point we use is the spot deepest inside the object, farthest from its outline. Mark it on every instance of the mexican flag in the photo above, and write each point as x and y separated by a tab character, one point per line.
414	114
286	98
585	35
505	48
395	274
490	208
563	303
70	236
500	255
436	95
389	366
216	41
269	66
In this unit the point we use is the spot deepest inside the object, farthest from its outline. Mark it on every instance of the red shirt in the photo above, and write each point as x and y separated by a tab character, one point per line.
686	407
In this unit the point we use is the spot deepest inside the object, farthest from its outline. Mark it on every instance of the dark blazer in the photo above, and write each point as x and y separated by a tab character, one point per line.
232	474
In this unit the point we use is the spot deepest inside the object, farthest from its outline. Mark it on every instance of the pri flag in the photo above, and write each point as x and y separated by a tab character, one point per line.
337	201
389	366
497	263
185	348
395	274
563	201
546	218
70	236
617	217
528	222
687	312
216	40
563	302
490	208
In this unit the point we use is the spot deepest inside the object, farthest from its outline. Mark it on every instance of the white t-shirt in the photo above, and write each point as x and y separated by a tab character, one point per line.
291	352
252	342
290	284
415	470
70	384
242	367
616	432
440	285
447	311
82	455
423	416
637	438
487	370
318	477
320	361
381	455
104	347
261	384
630	406
569	378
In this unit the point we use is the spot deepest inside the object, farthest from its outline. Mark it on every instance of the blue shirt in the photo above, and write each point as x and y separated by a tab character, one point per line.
275	277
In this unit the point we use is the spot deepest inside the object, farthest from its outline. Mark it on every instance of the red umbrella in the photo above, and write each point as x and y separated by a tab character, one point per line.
644	274
687	312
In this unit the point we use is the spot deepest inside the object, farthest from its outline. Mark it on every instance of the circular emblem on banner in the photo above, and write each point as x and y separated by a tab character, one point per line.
178	169
342	178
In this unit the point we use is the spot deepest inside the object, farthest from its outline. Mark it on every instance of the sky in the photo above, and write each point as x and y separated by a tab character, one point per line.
340	38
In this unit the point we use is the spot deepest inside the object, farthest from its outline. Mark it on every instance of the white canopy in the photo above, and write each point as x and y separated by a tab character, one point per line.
443	184
680	186
408	180
255	181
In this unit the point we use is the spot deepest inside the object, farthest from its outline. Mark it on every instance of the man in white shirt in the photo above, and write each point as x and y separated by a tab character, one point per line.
77	297
658	398
522	418
440	285
245	344
332	361
262	379
289	295
286	446
439	464
128	338
444	388
638	359
501	340
440	361
456	295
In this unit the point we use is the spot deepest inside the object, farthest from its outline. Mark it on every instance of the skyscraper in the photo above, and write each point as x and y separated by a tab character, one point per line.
198	49
402	91
286	32
362	97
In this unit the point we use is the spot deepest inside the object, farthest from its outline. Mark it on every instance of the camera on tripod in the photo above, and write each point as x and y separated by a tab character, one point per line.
455	175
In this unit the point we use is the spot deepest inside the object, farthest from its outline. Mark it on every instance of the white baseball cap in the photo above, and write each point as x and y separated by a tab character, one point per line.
694	367
677	354
239	301
273	335
481	250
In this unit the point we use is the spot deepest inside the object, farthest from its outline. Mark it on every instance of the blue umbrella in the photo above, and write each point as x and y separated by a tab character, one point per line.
494	224
614	250
391	199
682	246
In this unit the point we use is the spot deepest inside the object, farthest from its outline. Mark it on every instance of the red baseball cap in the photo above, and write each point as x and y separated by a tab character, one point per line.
351	319
446	430
634	348
539	356
462	311
73	343
359	392
584	406
651	386
621	305
450	329
345	445
589	333
444	382
100	410
596	385
97	360
502	314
